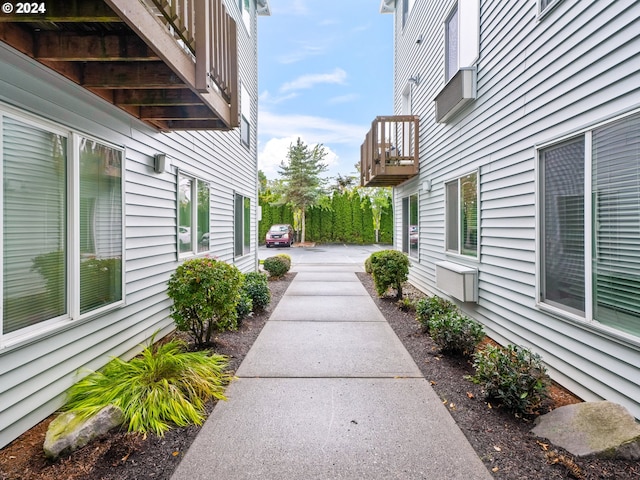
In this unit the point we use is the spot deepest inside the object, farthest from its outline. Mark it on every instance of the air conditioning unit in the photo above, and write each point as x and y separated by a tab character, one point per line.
457	281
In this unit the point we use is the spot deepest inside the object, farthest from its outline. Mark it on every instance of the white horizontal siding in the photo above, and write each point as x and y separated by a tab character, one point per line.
35	372
538	79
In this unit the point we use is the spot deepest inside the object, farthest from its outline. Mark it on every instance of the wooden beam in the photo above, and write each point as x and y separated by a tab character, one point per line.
130	75
78	11
67	46
157	97
171	125
18	37
200	112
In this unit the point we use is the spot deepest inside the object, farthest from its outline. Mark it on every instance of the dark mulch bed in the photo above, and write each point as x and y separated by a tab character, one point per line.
501	439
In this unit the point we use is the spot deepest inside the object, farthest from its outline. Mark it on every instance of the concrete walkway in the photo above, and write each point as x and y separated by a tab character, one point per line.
328	391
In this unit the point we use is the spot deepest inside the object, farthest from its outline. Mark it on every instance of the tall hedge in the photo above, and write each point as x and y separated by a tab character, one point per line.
348	219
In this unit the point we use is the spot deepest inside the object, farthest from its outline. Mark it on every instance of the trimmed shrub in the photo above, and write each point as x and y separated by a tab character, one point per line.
256	286
367	265
164	385
430	307
390	268
244	308
277	266
286	259
205	294
455	333
513	375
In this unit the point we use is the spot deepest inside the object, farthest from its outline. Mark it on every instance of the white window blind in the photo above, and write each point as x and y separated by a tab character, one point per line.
616	193
34	225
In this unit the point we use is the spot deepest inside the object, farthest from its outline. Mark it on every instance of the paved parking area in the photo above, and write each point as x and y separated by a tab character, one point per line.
329	254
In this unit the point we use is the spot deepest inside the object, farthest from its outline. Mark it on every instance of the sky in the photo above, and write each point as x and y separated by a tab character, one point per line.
325	71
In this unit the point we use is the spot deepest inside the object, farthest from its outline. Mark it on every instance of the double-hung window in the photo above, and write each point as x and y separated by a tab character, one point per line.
461	217
245	116
193	215
589	238
244	6
62	225
242	225
407	5
410	225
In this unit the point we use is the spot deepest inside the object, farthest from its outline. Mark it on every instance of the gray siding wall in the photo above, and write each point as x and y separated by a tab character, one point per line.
538	79
36	371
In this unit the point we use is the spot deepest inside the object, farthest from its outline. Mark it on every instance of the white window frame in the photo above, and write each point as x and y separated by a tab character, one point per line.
194	215
565	313
468	35
543	9
406	226
238	230
72	211
245	117
407	7
245	13
459	252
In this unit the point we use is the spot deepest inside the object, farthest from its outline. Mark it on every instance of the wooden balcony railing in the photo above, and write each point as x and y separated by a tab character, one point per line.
171	63
389	154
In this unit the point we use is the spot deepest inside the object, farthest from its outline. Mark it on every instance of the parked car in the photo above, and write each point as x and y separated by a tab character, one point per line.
280	235
413	234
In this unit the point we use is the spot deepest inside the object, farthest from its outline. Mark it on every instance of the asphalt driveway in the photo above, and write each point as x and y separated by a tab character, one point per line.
324	254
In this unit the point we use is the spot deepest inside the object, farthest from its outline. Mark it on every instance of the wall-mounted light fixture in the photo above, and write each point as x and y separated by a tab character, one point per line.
419	39
161	163
426	185
415	80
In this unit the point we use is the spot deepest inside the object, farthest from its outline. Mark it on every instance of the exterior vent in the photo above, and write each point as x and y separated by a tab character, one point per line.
457	93
458	281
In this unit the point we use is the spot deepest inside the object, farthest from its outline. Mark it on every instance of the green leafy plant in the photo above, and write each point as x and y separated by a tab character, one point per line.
430	307
205	295
406	304
244	308
390	268
286	258
513	375
256	286
164	386
277	266
455	333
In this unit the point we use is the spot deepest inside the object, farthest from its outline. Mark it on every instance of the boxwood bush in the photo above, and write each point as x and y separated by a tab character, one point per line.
256	286
513	375
389	268
205	294
455	333
431	307
277	265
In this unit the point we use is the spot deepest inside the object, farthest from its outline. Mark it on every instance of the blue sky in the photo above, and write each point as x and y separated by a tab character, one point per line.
325	72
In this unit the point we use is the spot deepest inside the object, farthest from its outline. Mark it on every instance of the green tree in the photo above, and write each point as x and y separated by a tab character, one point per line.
380	201
302	186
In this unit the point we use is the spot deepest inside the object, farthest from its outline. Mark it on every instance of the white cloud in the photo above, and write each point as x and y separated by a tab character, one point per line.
338	76
344	98
275	151
313	129
266	98
303	51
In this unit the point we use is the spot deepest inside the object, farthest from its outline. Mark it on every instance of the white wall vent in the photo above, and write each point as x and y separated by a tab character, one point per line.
458	281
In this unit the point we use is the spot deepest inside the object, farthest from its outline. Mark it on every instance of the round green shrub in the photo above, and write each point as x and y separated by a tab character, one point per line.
244	308
430	307
205	294
367	265
286	258
277	266
390	268
513	375
455	333
256	286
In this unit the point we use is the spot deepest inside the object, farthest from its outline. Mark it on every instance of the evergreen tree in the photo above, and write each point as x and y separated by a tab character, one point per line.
302	186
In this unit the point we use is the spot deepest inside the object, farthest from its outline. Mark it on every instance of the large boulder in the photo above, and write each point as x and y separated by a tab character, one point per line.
602	429
67	432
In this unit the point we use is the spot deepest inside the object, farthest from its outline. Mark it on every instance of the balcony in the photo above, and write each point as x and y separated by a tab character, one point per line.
389	154
170	63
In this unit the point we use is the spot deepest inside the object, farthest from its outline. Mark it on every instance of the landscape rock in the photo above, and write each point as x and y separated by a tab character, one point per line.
68	432
603	429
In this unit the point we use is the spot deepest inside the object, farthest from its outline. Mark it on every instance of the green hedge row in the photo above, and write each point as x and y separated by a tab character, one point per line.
347	219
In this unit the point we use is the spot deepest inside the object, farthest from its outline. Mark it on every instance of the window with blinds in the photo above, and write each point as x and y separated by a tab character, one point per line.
461	215
34	227
40	263
562	169
613	286
616	229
